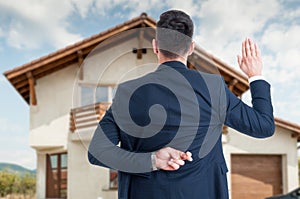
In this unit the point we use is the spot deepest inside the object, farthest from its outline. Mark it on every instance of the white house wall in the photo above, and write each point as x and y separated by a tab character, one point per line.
280	144
49	119
85	180
110	66
40	175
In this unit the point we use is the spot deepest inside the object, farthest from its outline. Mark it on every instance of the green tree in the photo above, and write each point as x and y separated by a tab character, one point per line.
27	185
7	181
14	183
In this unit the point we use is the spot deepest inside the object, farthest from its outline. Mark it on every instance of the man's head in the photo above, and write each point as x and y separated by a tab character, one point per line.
174	34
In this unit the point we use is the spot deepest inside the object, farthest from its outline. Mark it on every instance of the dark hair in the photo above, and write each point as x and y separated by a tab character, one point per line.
174	33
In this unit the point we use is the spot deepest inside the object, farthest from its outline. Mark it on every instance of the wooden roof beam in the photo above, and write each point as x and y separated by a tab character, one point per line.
225	130
32	92
296	135
232	83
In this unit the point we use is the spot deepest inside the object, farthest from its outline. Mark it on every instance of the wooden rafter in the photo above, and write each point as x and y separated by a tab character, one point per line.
232	83
296	135
32	93
225	130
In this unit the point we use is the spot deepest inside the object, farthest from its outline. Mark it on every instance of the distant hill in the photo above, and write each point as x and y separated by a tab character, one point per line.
14	168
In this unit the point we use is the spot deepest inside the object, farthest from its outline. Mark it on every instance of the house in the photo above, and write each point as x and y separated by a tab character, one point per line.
68	92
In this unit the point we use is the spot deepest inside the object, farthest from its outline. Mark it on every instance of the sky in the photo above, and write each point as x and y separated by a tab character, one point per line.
30	29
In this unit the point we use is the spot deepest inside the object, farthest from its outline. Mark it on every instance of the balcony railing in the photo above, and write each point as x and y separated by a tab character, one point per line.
87	116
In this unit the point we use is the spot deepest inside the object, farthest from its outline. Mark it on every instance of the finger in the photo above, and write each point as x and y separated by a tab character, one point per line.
252	48
248	52
188	153
239	59
175	154
173	165
257	51
183	156
187	156
179	162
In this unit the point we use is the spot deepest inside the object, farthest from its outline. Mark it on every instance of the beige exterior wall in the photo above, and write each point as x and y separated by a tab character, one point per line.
118	64
280	144
49	119
41	176
85	180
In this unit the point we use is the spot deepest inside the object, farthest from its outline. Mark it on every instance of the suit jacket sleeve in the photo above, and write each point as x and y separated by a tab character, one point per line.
112	132
256	121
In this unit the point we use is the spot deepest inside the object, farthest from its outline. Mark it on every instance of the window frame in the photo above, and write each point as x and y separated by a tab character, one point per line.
110	91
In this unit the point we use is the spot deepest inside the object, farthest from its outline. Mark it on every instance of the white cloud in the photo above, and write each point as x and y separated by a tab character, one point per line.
83	6
1	32
285	103
283	43
292	13
2	79
125	8
14	144
222	28
189	6
281	37
7	127
33	23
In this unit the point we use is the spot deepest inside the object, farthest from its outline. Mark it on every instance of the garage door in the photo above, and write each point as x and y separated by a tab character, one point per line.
256	176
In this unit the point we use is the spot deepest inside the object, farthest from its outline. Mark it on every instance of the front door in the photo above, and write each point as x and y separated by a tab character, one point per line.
56	177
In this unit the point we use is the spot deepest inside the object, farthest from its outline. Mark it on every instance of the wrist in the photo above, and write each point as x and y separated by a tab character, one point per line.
153	161
257	77
254	75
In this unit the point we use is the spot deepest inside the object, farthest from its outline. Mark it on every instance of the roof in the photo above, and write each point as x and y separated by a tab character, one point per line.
23	77
289	126
62	58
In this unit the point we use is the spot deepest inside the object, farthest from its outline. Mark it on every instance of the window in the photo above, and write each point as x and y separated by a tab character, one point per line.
56	177
92	94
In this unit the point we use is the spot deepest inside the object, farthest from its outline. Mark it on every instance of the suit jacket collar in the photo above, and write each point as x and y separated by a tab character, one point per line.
173	64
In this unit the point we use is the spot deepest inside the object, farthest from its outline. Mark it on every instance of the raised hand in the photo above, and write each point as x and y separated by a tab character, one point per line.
250	62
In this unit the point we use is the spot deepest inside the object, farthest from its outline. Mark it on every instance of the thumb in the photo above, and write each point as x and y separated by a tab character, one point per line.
239	60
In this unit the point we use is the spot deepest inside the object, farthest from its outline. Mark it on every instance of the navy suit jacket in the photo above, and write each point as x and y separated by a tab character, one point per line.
204	177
